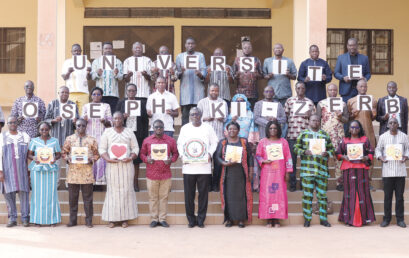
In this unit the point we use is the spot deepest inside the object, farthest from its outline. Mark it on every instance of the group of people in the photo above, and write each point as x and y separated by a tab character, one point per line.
224	148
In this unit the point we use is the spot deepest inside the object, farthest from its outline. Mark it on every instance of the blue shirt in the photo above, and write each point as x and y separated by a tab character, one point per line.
280	82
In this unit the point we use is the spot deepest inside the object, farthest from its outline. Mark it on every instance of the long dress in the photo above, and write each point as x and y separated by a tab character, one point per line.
120	200
95	129
273	202
357	207
45	208
235	183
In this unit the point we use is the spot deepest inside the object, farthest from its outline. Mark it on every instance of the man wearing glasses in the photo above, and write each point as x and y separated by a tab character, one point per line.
158	152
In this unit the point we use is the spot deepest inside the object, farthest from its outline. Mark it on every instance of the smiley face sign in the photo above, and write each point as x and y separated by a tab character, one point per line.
274	151
393	151
45	155
159	151
79	155
355	151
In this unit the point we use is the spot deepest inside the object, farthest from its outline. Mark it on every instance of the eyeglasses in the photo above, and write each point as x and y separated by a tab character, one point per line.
96	94
12	123
195	114
81	125
161	151
158	127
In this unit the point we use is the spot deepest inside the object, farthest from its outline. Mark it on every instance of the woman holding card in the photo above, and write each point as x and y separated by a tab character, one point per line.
97	122
356	154
274	157
118	147
235	182
44	151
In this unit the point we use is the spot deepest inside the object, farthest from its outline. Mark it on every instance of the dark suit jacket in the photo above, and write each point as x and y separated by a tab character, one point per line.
341	70
403	115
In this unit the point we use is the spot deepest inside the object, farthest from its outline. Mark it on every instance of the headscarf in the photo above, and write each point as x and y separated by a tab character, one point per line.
242	96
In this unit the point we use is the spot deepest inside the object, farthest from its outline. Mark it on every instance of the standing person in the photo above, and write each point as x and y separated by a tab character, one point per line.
2	121
79	175
171	107
191	81
169	74
281	82
158	172
120	200
333	124
95	128
28	125
138	124
364	116
247	81
382	116
314	170
217	124
297	124
77	80
261	121
192	136
348	86
45	207
221	78
107	80
235	185
356	208
315	89
141	75
273	202
13	172
393	172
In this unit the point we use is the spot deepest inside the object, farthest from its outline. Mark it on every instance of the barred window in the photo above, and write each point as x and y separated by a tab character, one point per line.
12	50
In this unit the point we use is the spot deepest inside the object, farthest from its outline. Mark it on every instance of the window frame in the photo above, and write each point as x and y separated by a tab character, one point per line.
6	43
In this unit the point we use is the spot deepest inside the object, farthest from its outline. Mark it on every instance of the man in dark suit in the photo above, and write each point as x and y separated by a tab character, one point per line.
347	85
383	116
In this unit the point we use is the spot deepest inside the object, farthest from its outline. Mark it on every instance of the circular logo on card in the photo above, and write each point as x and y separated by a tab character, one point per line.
195	149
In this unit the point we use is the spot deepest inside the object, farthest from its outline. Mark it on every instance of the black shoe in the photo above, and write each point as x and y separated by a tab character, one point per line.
293	188
307	224
229	224
241	225
325	223
71	224
401	224
384	223
164	224
26	224
200	225
11	224
340	188
89	225
191	225
153	224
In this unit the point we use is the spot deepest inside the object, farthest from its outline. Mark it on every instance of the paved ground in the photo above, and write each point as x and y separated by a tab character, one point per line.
212	241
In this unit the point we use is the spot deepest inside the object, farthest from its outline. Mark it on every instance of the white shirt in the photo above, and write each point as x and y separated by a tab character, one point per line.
77	82
144	64
206	134
20	136
171	102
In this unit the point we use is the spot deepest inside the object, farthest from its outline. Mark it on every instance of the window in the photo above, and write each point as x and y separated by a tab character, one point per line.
12	50
376	44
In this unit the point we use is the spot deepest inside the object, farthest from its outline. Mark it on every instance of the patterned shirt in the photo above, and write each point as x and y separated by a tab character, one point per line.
170	78
280	82
159	170
80	173
28	125
218	126
247	81
296	124
108	81
313	165
144	64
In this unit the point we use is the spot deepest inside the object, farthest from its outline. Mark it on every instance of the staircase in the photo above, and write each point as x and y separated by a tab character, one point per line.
176	209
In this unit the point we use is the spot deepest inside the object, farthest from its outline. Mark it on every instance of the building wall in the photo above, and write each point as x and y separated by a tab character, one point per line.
378	14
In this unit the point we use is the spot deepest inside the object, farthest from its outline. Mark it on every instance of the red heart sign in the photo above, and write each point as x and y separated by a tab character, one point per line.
118	150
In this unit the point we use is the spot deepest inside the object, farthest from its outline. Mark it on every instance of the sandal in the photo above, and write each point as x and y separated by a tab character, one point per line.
111	225
241	224
269	223
125	224
229	224
277	223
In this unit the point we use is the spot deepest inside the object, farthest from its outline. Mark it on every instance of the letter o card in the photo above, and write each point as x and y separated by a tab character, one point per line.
30	109
133	107
247	64
68	111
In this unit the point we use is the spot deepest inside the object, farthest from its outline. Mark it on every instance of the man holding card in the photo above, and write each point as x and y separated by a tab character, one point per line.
162	105
159	151
279	70
393	151
80	151
29	110
314	147
298	110
315	73
214	110
247	71
76	72
165	67
350	68
137	70
392	106
106	72
220	73
363	108
191	69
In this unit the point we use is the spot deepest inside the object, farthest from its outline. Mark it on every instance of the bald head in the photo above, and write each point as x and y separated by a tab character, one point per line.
278	50
29	88
332	90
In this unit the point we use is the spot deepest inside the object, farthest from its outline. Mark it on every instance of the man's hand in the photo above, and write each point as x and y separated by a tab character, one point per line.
149	113
167	161
210	158
307	153
383	159
100	71
347	79
404	158
116	71
56	120
268	76
324	77
198	74
1	176
20	119
70	70
385	117
208	119
234	118
150	160
220	119
227	163
287	177
126	115
307	79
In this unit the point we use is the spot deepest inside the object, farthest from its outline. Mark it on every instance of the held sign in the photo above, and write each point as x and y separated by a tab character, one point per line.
355	72
133	107
218	110
95	110
68	111
164	62
30	109
392	106
80	62
315	73
108	63
217	63
192	62
335	104
364	102
238	109
279	66
269	109
247	64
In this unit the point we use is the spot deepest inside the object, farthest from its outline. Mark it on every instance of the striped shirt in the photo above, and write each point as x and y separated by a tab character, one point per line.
393	168
221	78
296	124
108	81
144	64
313	165
218	126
